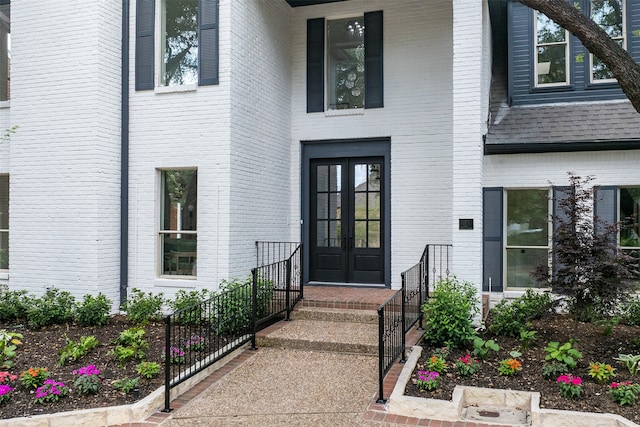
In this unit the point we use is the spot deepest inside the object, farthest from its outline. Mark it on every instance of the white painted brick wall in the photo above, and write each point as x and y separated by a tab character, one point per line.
416	115
64	160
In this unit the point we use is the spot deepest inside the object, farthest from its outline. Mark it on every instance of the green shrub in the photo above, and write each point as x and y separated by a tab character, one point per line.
481	348
75	350
13	304
509	318
143	308
554	369
55	307
130	344
148	369
191	303
126	385
93	311
564	353
232	313
631	311
449	314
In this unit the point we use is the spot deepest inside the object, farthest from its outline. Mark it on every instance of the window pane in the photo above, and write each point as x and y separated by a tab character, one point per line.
360	234
374	205
5	50
323	206
521	263
600	70
4	250
552	64
360	211
527	217
180	200
180	42
334	234
179	254
608	14
374	234
4	202
549	31
345	41
629	217
322	234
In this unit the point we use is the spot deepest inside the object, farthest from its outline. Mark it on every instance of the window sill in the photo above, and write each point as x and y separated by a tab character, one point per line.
346	112
173	89
5	104
188	282
4	275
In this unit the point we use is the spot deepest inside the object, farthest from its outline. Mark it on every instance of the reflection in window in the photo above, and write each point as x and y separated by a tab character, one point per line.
179	220
345	79
328	205
630	218
5	51
179	42
609	15
4	222
367	206
551	52
527	235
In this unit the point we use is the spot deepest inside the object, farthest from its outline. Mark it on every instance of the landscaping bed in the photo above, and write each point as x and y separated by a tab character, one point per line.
590	340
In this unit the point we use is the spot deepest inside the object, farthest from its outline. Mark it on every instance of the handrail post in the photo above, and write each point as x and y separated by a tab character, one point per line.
254	303
381	354
167	364
287	296
420	296
403	319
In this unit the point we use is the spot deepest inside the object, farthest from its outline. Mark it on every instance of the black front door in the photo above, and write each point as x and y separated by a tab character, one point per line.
346	220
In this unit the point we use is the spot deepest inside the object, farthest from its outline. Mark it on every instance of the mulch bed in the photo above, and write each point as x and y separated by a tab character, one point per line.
591	342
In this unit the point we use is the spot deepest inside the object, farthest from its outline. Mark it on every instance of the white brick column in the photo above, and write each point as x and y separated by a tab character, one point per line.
467	138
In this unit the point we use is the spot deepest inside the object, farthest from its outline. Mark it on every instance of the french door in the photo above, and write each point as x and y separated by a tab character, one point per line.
346	220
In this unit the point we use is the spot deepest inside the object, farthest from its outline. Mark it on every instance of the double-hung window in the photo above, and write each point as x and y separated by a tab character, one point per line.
178	222
527	236
5	49
176	43
610	16
350	66
551	52
629	217
4	222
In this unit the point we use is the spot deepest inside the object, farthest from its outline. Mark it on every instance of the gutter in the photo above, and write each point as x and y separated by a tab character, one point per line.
124	156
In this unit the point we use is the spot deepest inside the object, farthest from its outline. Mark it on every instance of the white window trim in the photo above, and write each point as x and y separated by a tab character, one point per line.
535	56
549	247
624	45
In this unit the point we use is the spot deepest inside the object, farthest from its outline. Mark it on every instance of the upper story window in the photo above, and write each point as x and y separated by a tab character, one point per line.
176	43
179	222
179	45
551	52
345	63
5	49
351	66
527	242
610	16
4	222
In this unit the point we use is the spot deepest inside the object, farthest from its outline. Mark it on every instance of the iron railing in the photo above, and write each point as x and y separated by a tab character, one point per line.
198	336
398	314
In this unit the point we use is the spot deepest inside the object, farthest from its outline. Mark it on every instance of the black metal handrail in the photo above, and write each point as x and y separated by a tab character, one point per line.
398	314
198	336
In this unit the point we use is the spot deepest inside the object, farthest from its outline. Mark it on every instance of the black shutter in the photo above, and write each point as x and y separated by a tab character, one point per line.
492	239
373	66
315	65
605	208
145	12
208	42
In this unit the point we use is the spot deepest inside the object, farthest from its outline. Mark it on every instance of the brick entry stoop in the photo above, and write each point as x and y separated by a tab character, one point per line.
333	319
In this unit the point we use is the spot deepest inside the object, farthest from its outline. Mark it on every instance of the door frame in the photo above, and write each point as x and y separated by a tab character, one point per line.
340	148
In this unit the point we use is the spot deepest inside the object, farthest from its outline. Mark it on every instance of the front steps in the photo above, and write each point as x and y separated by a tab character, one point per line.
335	330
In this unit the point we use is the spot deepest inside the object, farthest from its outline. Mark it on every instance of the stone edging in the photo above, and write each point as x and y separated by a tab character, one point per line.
117	415
436	409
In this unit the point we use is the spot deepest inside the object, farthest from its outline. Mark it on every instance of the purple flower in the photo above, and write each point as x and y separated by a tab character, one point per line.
87	370
5	389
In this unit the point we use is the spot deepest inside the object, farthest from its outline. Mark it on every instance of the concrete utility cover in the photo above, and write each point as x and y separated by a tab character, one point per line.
497	415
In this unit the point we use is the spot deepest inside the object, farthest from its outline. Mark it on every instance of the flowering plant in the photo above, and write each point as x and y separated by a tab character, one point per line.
601	371
176	355
7	377
5	393
467	365
437	363
428	380
570	386
624	393
34	377
88	379
195	343
509	367
50	391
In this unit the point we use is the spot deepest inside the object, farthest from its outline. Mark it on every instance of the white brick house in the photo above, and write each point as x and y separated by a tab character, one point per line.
265	129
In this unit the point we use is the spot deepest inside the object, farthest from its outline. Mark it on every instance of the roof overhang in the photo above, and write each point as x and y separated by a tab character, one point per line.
298	3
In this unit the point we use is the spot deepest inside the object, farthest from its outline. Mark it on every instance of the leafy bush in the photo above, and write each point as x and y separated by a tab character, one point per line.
126	385
9	341
13	304
449	314
143	308
75	350
564	353
232	313
509	318
191	303
130	344
93	311
631	311
55	307
148	369
481	348
554	369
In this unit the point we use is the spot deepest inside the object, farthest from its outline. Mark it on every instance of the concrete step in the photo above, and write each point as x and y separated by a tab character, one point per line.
320	335
335	315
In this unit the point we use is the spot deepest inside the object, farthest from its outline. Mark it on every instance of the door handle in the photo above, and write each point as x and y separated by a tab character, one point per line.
352	242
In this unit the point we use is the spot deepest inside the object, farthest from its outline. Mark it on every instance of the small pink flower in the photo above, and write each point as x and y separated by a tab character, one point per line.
576	381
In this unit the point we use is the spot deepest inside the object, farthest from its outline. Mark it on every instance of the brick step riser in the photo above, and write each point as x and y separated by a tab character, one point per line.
290	343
